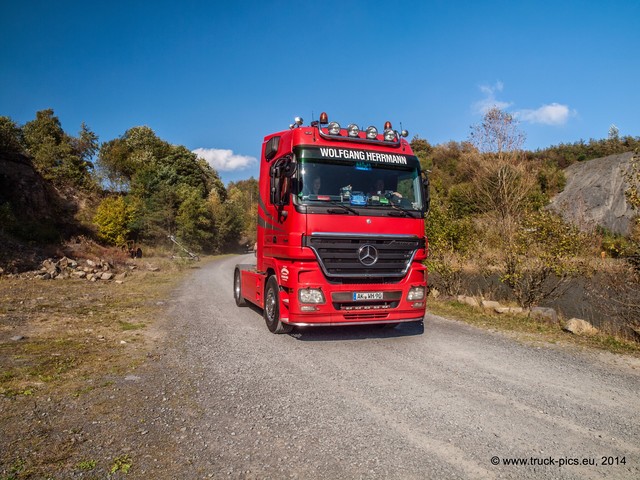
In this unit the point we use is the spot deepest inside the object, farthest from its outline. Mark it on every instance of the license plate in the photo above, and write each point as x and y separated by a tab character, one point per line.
358	296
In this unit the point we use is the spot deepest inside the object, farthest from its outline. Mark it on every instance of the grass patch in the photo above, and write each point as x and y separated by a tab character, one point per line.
76	343
131	326
528	327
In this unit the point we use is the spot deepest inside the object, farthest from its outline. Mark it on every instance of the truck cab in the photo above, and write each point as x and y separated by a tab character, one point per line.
340	234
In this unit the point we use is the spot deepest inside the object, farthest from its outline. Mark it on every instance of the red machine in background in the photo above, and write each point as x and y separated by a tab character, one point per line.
340	236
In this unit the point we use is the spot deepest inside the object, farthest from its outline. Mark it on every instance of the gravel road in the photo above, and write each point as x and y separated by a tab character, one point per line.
446	401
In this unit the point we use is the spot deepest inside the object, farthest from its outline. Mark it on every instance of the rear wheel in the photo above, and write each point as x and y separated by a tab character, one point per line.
271	310
237	290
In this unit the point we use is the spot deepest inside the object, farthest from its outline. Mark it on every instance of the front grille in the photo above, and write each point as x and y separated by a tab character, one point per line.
338	254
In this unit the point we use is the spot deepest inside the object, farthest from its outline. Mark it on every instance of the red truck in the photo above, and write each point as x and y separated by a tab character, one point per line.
340	234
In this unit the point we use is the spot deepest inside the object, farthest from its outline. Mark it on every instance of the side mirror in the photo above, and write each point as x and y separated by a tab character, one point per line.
425	191
281	173
271	148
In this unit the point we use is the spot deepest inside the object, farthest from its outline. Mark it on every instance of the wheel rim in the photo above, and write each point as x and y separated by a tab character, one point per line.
236	286
270	305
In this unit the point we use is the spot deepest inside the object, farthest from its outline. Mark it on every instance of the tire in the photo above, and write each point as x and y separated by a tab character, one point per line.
271	311
237	289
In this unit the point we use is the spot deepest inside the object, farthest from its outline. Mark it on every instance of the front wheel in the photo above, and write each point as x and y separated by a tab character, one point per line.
271	310
237	290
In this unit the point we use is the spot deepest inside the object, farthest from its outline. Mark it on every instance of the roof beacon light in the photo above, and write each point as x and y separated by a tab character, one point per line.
387	125
372	133
324	118
389	135
353	130
334	128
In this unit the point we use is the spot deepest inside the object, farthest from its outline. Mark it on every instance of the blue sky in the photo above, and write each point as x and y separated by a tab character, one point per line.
218	76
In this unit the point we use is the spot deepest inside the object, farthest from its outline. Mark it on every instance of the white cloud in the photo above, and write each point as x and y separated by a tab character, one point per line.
225	160
553	114
490	101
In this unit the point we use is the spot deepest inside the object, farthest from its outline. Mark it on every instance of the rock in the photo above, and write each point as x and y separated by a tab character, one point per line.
17	338
490	304
44	276
508	309
545	313
468	300
121	276
79	274
594	194
106	276
91	263
578	326
153	268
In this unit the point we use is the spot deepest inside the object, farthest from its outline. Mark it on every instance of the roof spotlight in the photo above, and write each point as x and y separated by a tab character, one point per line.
372	133
389	135
334	128
404	133
353	130
298	121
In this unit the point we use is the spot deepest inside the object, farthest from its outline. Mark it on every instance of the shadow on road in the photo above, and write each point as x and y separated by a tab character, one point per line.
356	332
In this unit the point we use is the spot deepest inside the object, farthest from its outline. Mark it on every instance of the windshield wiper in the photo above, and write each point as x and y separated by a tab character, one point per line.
348	209
401	210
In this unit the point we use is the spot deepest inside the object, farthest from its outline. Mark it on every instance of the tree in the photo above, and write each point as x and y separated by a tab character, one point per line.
9	136
498	133
503	181
57	156
113	218
194	220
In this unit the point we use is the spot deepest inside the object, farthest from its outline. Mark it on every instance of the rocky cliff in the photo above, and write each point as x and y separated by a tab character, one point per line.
594	194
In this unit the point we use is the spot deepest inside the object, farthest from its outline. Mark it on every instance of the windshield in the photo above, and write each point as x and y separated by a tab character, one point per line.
358	179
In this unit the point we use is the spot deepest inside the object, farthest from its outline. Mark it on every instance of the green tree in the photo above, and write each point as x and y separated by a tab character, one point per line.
9	136
113	218
194	220
57	156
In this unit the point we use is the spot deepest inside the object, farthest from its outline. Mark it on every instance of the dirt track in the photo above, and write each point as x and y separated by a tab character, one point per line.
221	397
370	403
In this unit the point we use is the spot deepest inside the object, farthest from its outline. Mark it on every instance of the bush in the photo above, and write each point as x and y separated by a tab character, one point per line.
113	218
540	258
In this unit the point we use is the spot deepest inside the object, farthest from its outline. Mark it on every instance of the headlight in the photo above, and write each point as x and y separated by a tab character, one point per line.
415	293
389	135
334	128
353	130
372	133
310	295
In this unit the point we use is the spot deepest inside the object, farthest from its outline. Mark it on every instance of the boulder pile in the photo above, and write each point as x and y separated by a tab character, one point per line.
87	269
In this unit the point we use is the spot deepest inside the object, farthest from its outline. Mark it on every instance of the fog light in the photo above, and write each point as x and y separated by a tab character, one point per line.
415	293
353	130
334	128
418	305
389	135
372	133
310	295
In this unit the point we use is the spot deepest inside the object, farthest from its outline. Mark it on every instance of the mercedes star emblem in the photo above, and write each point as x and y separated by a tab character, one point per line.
368	255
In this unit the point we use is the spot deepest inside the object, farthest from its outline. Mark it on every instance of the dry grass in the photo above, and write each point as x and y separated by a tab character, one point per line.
529	329
74	328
